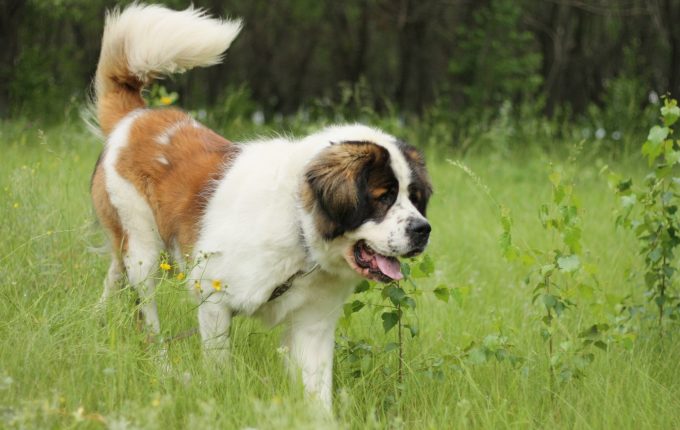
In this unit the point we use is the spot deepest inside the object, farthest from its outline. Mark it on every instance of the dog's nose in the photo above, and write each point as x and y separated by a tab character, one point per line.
418	230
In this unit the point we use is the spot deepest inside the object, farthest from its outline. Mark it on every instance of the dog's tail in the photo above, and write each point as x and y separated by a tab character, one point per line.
144	42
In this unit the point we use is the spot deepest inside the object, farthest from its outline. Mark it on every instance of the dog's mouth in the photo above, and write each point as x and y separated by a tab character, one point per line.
372	265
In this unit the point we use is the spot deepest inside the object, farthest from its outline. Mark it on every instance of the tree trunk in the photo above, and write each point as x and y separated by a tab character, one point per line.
10	21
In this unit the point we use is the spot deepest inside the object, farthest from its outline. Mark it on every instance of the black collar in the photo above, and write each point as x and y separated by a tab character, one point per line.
279	290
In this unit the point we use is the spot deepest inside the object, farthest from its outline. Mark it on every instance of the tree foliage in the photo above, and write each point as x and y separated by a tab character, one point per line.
411	54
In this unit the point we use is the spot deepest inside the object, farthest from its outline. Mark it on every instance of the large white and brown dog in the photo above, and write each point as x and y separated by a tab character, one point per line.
280	229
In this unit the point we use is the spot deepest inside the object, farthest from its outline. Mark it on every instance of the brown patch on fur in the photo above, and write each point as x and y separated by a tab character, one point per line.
113	106
118	91
178	188
107	214
345	184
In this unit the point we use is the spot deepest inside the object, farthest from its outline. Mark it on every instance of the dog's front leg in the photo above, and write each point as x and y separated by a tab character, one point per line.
214	320
310	341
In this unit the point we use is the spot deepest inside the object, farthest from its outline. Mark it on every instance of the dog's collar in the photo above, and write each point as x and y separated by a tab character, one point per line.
281	289
278	291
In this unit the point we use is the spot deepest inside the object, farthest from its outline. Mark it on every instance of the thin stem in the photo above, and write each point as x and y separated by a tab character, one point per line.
551	369
400	375
662	294
662	287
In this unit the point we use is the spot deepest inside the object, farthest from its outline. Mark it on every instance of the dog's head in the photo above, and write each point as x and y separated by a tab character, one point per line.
370	191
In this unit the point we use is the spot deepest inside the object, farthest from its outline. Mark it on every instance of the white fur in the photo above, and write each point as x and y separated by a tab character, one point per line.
137	219
253	238
165	137
158	41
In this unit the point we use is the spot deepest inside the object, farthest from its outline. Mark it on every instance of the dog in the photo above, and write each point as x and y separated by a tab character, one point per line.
278	229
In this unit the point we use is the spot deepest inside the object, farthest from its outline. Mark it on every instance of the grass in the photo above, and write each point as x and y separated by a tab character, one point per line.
63	365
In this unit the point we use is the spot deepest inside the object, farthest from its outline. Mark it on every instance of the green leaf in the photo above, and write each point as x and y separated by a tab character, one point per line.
350	308
559	193
546	270
655	255
357	305
601	345
657	134
624	186
427	265
391	346
405	269
413	328
585	291
549	301
569	263
363	286
572	238
666	197
651	279
459	294
394	293
492	341
652	150
660	300
505	242
672	157
477	356
506	219
442	293
365	363
544	215
555	178
390	319
591	333
408	302
670	112
628	201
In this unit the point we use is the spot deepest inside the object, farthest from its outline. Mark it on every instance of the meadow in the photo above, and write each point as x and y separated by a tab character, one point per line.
479	360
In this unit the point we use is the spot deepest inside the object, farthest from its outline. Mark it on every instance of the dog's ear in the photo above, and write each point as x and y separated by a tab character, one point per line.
336	185
420	189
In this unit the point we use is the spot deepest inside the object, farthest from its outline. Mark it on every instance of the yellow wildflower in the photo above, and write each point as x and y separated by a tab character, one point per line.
16	205
165	100
197	286
180	276
217	285
165	266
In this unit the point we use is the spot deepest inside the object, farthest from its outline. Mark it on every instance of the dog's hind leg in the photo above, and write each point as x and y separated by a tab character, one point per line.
214	320
141	261
112	280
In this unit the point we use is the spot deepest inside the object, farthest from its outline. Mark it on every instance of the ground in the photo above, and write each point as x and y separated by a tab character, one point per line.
65	365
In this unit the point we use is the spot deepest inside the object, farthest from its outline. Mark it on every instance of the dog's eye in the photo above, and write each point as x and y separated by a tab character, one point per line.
414	196
387	198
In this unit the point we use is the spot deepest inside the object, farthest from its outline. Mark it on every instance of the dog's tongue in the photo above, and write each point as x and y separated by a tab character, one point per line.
389	266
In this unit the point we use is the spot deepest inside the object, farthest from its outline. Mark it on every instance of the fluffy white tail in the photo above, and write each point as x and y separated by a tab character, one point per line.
144	42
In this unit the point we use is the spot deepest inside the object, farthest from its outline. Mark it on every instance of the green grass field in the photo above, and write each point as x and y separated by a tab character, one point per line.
63	365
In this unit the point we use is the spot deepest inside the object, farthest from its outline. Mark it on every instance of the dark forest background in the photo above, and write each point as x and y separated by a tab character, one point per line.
603	59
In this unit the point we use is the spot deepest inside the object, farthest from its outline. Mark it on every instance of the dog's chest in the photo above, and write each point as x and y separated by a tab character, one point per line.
318	289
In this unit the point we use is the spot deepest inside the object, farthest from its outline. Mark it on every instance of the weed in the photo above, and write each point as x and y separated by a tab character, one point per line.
651	212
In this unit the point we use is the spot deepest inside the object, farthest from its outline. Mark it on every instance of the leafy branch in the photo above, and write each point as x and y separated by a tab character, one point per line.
651	212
